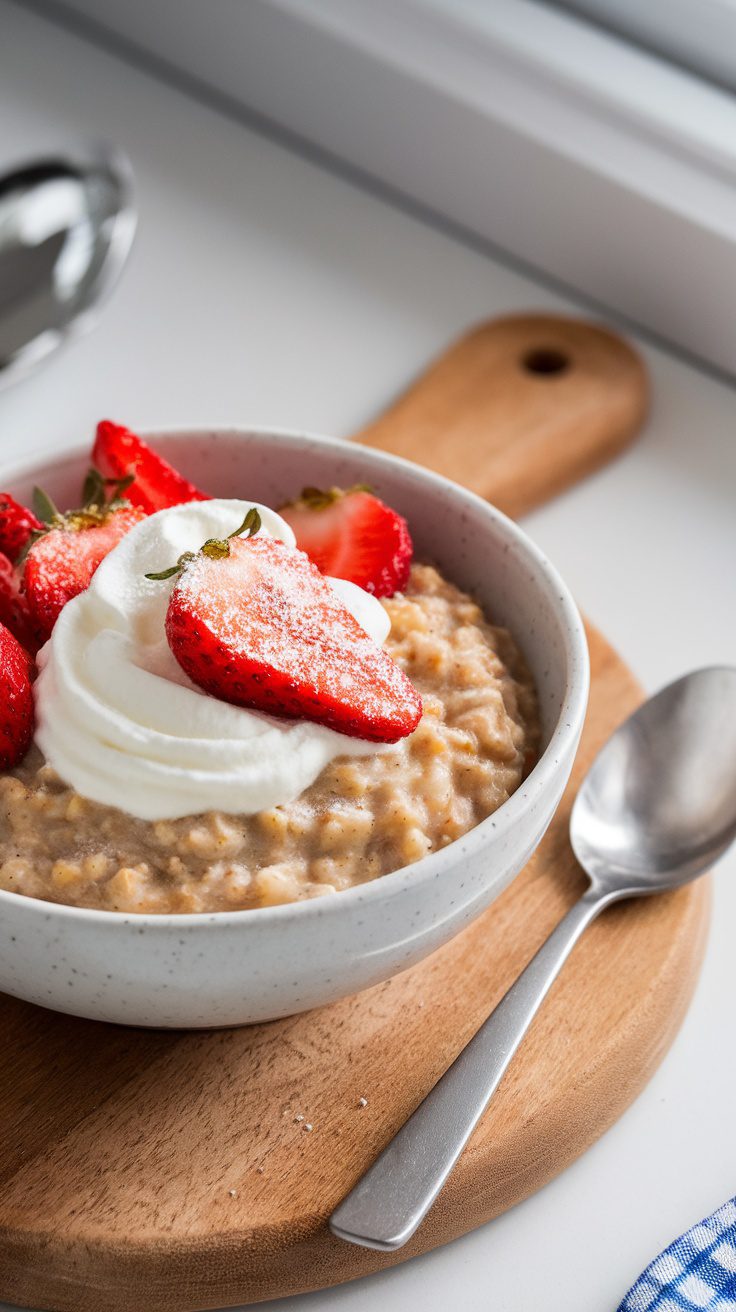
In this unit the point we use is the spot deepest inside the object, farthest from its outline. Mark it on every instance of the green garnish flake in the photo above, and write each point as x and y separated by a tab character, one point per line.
44	508
95	494
319	498
213	548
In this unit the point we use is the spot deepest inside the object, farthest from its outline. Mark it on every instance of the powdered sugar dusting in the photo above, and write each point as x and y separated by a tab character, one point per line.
269	612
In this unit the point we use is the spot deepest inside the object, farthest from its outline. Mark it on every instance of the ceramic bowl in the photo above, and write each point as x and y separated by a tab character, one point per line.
233	968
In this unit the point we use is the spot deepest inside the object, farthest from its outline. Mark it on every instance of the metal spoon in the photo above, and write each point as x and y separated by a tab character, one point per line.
656	809
66	226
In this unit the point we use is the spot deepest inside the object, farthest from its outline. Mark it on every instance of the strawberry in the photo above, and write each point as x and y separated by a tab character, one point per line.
254	623
16	700
65	553
118	453
16	526
352	535
14	612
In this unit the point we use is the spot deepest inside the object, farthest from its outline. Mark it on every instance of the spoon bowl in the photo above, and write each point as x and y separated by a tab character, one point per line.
658	805
66	227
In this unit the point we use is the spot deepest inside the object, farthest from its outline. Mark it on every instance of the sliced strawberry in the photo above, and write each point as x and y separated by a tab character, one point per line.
14	611
16	700
60	564
16	526
260	626
352	535
117	453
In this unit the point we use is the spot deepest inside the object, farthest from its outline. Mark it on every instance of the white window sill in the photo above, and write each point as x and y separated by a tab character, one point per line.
591	160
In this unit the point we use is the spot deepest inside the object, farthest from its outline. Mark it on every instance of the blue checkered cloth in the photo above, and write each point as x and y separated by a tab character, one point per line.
697	1273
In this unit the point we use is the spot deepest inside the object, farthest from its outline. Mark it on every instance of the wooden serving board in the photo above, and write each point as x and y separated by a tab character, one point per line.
167	1172
519	408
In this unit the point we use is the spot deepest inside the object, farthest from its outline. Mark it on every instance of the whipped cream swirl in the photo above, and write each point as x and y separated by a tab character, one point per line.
120	721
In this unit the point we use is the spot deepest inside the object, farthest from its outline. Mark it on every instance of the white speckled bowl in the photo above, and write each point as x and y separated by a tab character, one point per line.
237	967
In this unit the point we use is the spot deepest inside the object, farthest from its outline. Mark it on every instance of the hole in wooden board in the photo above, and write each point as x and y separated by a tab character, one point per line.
546	360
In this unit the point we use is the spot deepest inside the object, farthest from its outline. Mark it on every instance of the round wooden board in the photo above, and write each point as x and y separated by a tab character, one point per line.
170	1171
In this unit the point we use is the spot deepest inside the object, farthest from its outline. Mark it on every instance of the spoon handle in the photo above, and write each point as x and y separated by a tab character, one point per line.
388	1203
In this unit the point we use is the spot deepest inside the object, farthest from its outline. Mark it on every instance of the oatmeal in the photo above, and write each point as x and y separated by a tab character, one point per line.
363	817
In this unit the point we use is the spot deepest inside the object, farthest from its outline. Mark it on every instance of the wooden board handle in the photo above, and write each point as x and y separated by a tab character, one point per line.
520	408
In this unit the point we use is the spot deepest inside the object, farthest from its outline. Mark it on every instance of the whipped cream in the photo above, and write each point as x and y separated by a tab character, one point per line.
120	721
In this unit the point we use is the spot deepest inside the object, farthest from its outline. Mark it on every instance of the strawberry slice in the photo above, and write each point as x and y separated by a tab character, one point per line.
16	526
61	562
14	610
118	453
352	535
253	622
16	700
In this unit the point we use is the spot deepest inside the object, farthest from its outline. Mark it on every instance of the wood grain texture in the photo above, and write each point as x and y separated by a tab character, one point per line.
520	408
121	1146
169	1172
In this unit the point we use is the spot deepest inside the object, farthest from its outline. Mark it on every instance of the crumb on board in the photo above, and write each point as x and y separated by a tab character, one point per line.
298	1119
362	1102
233	1193
308	1127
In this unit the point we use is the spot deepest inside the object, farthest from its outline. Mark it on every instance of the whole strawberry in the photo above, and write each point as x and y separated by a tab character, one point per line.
14	610
16	526
64	554
353	535
153	484
253	622
16	700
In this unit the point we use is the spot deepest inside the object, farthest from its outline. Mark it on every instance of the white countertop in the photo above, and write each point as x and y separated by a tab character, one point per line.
262	289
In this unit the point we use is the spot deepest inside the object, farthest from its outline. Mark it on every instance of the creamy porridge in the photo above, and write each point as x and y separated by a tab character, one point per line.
362	818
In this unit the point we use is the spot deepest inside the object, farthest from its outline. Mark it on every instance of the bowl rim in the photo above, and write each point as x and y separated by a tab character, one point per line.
564	734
